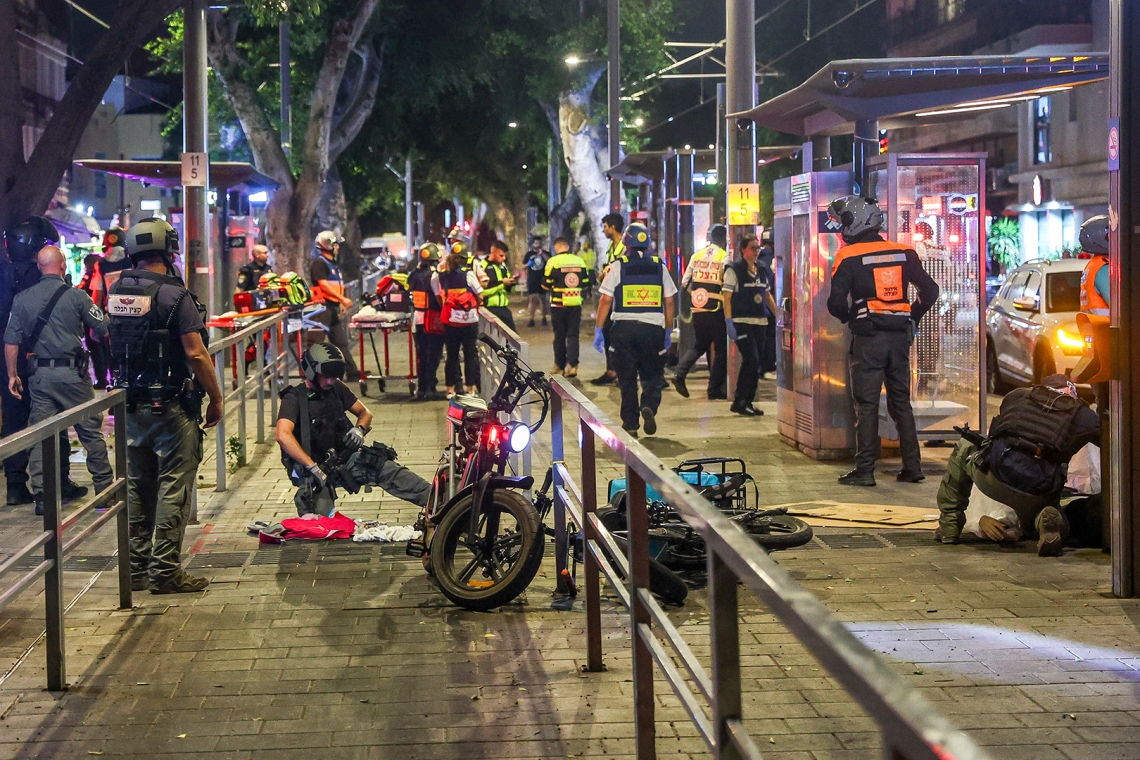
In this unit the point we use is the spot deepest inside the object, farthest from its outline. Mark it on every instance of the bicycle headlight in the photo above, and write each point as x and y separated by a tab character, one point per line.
518	436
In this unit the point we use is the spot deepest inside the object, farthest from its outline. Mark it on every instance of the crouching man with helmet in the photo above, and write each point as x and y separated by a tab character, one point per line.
322	450
158	349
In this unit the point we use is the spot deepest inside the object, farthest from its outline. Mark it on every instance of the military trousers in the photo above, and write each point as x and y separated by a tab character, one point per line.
882	358
56	389
429	353
163	453
393	477
15	413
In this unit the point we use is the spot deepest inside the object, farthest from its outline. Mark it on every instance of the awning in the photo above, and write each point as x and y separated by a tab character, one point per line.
638	168
224	175
76	227
910	92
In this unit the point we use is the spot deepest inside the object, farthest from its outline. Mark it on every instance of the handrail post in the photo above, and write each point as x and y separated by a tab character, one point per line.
242	377
643	709
220	428
122	520
53	578
724	638
557	456
275	377
260	353
590	563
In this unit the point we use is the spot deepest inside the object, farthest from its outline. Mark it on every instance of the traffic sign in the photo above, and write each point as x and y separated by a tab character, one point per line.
1114	145
743	204
194	169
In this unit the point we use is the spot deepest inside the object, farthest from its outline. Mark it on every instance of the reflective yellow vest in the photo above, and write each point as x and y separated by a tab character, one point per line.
707	266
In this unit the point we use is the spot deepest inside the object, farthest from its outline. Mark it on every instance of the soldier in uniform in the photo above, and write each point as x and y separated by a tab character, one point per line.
250	275
638	291
158	344
565	277
703	279
427	326
47	326
499	284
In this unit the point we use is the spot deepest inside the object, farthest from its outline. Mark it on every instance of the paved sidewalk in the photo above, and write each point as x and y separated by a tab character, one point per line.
347	651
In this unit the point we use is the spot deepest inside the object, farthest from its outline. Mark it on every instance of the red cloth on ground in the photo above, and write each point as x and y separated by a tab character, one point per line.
337	526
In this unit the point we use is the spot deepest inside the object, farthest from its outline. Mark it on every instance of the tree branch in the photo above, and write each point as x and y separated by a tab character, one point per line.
361	105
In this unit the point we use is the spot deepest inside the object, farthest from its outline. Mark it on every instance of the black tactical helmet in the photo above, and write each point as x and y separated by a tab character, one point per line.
1094	235
322	359
114	237
718	234
766	236
26	239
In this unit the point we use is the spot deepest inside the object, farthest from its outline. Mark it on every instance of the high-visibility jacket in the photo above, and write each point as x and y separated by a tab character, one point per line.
706	276
497	292
565	276
614	252
1092	302
876	276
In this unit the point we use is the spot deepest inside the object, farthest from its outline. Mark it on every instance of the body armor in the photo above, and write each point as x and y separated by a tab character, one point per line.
642	286
1038	421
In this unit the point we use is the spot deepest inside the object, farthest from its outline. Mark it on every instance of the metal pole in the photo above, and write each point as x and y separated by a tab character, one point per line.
614	23
821	153
286	88
53	578
638	556
558	456
409	230
275	376
261	389
220	429
590	537
739	95
122	520
724	635
866	146
242	376
199	269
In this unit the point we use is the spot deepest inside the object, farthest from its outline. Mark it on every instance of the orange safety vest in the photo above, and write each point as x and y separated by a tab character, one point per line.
1091	301
882	283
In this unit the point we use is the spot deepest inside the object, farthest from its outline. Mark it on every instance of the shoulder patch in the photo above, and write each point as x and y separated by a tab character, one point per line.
128	306
95	312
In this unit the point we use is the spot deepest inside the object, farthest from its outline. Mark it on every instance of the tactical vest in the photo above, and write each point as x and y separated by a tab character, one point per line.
641	289
707	266
419	284
1093	302
327	423
748	300
146	345
453	283
567	274
335	282
1039	421
495	294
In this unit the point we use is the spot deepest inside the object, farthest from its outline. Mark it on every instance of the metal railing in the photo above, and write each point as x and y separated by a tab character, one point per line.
113	500
491	373
911	728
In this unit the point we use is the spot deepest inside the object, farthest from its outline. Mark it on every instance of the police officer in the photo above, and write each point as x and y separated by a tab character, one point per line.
499	284
748	306
427	326
1022	464
250	275
612	227
328	288
565	277
703	280
18	273
767	259
312	421
47	325
639	292
870	282
158	344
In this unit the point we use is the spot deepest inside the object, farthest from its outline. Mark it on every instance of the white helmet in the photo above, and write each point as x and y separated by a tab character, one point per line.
1094	234
326	239
857	214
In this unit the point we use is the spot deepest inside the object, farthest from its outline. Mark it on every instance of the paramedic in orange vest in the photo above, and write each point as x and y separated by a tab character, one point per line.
1093	320
1094	280
870	293
328	288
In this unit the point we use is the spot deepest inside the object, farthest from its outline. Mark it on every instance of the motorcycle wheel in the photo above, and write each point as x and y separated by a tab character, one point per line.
783	532
481	580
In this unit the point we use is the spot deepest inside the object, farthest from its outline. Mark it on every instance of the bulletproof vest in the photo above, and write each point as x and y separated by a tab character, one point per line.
748	298
327	423
707	266
642	286
453	283
567	272
1038	421
146	345
419	284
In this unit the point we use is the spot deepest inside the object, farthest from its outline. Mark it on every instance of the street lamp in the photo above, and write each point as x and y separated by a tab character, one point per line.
512	124
573	60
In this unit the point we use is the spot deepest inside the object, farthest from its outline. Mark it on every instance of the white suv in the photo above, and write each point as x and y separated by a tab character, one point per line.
1031	329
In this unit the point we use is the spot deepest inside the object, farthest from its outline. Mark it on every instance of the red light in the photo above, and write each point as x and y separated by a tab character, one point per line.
919	237
953	237
493	433
1083	255
466	226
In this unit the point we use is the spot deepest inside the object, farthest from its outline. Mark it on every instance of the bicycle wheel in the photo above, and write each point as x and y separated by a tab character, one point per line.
779	532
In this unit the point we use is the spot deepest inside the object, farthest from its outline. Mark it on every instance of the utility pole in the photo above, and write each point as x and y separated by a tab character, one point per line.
286	88
409	230
199	269
615	98
740	95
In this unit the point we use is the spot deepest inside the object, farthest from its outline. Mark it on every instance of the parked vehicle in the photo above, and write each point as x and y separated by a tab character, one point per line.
1031	329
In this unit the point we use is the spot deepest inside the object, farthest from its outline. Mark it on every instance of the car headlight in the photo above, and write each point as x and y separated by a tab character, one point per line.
518	436
1069	339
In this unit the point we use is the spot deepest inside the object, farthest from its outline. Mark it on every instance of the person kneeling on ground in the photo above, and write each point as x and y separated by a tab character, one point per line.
322	403
1022	463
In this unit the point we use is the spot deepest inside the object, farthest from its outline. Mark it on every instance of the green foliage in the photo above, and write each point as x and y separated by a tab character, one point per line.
235	455
1004	243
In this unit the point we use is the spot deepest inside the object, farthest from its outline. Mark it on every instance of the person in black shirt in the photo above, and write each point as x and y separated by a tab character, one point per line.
250	275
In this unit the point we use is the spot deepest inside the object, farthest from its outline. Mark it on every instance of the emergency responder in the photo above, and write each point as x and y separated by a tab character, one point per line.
250	275
99	274
458	291
328	288
47	327
428	329
870	281
767	259
1022	464
158	343
321	404
471	262
612	227
639	292
18	273
586	253
1095	297
703	280
565	277
499	284
535	263
748	307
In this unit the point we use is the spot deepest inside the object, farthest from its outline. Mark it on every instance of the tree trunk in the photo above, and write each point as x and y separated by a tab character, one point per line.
511	221
28	188
564	214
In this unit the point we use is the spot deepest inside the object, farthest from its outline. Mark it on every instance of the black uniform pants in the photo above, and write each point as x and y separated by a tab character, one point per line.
429	352
607	331
467	339
768	351
504	315
567	323
637	350
100	352
334	319
16	412
709	336
878	359
750	343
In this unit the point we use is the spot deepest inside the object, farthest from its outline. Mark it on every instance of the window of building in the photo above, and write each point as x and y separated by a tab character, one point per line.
1074	104
1042	140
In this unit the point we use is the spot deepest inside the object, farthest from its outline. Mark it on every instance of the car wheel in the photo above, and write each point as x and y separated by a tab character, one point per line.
994	382
1043	364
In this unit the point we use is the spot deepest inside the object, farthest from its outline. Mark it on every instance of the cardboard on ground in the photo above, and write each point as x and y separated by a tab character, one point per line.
827	513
